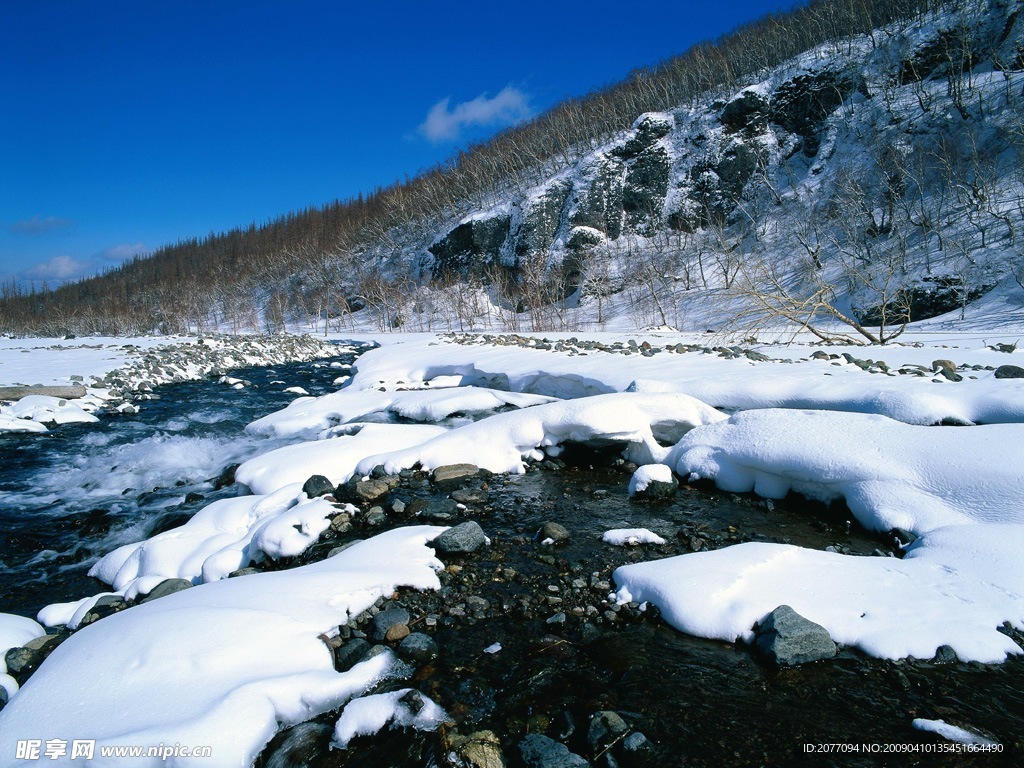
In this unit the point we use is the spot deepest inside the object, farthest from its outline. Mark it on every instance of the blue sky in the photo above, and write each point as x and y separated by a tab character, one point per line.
128	125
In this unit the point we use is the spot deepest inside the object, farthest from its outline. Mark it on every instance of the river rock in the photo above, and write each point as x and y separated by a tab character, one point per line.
165	588
384	621
349	654
1009	372
480	749
22	662
300	746
553	532
788	639
605	729
226	477
539	751
317	485
371	490
461	539
452	474
418	648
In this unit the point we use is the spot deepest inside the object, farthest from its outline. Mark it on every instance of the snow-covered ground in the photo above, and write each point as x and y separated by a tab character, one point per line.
767	418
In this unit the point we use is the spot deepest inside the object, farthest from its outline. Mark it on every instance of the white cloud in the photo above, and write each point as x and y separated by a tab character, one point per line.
446	123
60	268
121	252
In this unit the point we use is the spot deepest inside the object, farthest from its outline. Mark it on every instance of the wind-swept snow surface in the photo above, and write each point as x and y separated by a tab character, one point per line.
223	664
890	474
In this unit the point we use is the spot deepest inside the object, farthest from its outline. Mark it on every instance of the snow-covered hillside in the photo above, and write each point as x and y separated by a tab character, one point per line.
870	180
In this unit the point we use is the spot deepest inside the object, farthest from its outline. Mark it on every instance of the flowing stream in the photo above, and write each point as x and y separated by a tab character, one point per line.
70	496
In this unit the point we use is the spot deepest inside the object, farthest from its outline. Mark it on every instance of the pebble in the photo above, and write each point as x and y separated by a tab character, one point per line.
385	620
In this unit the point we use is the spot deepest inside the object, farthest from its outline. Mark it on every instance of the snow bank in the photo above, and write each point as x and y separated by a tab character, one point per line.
631	537
222	537
335	458
955	587
789	380
9	423
368	715
891	475
309	415
48	410
501	442
224	664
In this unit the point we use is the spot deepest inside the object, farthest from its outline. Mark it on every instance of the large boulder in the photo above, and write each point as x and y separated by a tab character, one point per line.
789	639
645	189
597	200
540	219
800	105
747	111
471	245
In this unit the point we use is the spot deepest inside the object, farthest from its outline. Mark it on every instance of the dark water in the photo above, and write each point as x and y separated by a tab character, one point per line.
70	496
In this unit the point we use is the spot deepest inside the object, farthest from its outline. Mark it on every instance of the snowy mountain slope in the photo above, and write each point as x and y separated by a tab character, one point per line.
880	175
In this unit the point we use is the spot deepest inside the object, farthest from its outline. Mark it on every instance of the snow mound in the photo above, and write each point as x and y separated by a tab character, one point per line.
10	423
224	664
647	474
368	715
308	415
631	537
955	587
49	410
891	474
335	458
501	442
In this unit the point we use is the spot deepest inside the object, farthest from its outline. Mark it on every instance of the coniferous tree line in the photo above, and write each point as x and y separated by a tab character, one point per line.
342	257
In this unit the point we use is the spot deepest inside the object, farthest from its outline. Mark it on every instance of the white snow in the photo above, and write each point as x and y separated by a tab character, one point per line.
892	475
955	587
647	474
335	458
368	715
950	732
224	536
631	537
224	664
310	415
791	380
502	442
48	410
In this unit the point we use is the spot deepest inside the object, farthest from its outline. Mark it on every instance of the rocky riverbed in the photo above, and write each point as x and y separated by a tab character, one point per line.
536	665
525	647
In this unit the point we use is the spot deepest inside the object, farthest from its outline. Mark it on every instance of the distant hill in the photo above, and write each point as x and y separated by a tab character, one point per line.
848	167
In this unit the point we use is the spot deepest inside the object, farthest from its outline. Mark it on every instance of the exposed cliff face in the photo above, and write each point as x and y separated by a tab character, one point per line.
707	160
